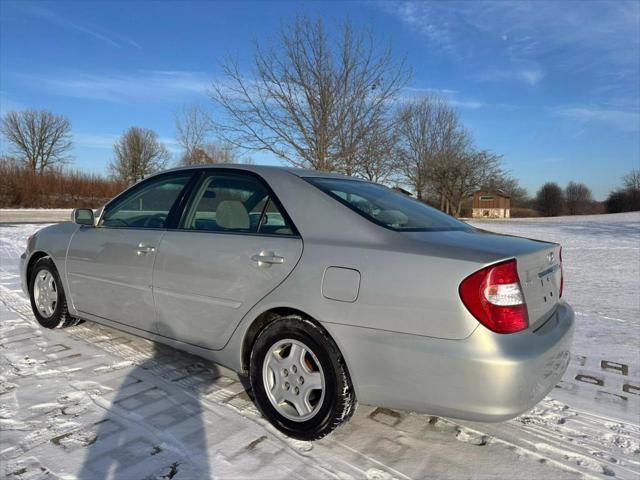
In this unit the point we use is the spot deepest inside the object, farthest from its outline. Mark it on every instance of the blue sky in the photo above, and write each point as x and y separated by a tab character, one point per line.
554	87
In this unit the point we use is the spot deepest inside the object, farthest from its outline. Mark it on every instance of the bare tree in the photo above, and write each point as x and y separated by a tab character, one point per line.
623	200
211	153
138	153
627	198
510	186
311	101
550	200
375	160
428	137
39	139
194	131
436	154
578	199
631	181
467	173
193	128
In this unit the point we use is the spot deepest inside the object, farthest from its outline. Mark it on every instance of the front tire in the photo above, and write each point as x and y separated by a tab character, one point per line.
48	300
299	379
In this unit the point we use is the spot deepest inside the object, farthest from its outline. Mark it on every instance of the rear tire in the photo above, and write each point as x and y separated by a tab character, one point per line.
306	394
48	300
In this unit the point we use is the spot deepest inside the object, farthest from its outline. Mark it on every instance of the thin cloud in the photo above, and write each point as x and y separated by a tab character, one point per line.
451	96
619	119
595	40
432	22
7	104
95	140
171	143
109	38
121	88
530	76
552	160
470	104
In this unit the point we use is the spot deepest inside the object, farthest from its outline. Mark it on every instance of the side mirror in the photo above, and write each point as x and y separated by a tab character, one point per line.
83	216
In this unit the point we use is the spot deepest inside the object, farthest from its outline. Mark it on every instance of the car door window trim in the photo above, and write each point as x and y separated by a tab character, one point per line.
173	211
205	174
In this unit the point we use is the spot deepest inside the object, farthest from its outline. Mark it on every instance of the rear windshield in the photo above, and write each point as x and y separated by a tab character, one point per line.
385	207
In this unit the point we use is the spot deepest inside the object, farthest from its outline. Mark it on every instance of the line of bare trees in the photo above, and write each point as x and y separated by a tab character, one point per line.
56	188
627	197
41	141
575	199
330	104
336	106
315	101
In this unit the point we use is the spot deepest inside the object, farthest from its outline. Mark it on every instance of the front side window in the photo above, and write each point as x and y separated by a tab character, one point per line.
235	203
146	206
386	207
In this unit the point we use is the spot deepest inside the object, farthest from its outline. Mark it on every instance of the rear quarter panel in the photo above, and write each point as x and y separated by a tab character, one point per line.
404	291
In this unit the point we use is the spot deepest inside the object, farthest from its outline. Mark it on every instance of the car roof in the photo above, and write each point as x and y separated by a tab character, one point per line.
299	172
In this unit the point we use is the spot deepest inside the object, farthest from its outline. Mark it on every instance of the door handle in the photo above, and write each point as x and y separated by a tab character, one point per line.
144	249
266	259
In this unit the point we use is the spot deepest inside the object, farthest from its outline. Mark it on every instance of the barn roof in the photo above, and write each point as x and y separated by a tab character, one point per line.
498	192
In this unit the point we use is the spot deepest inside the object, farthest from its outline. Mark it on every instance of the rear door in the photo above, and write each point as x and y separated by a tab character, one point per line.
109	267
235	244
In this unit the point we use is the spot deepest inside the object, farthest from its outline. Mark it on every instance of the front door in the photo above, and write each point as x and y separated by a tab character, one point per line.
235	244
109	267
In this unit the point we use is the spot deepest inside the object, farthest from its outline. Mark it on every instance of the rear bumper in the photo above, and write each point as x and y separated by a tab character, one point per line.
485	377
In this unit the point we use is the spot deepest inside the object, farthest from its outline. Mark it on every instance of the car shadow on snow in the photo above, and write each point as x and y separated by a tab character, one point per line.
152	429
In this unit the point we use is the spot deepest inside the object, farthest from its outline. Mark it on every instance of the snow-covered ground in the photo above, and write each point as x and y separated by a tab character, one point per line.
91	402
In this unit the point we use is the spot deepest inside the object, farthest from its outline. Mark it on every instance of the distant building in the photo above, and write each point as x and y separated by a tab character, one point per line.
491	205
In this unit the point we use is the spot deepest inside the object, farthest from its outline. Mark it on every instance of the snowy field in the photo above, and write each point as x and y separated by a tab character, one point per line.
90	402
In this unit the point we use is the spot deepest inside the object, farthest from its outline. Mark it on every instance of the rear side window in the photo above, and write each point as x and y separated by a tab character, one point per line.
235	203
385	207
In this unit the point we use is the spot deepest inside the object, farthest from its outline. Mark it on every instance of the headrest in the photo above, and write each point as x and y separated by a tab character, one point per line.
231	214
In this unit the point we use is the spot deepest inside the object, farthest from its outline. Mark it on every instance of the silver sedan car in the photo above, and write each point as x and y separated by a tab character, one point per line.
322	288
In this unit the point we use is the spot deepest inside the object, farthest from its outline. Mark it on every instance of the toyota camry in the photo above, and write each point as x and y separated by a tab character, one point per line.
323	289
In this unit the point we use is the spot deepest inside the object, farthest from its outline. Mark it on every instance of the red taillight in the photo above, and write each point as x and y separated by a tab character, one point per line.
493	295
561	274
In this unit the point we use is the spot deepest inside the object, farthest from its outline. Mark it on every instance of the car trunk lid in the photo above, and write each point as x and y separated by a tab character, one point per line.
538	262
540	275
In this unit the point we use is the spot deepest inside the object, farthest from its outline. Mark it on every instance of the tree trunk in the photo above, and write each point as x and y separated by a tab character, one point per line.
459	208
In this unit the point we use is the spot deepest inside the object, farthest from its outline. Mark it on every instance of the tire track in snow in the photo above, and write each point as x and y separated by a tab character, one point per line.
135	423
381	443
334	455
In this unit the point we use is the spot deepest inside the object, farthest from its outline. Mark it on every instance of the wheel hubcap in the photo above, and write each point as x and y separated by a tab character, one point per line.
294	380
45	293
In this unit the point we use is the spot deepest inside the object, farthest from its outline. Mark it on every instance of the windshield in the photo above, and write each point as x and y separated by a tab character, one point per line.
386	207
